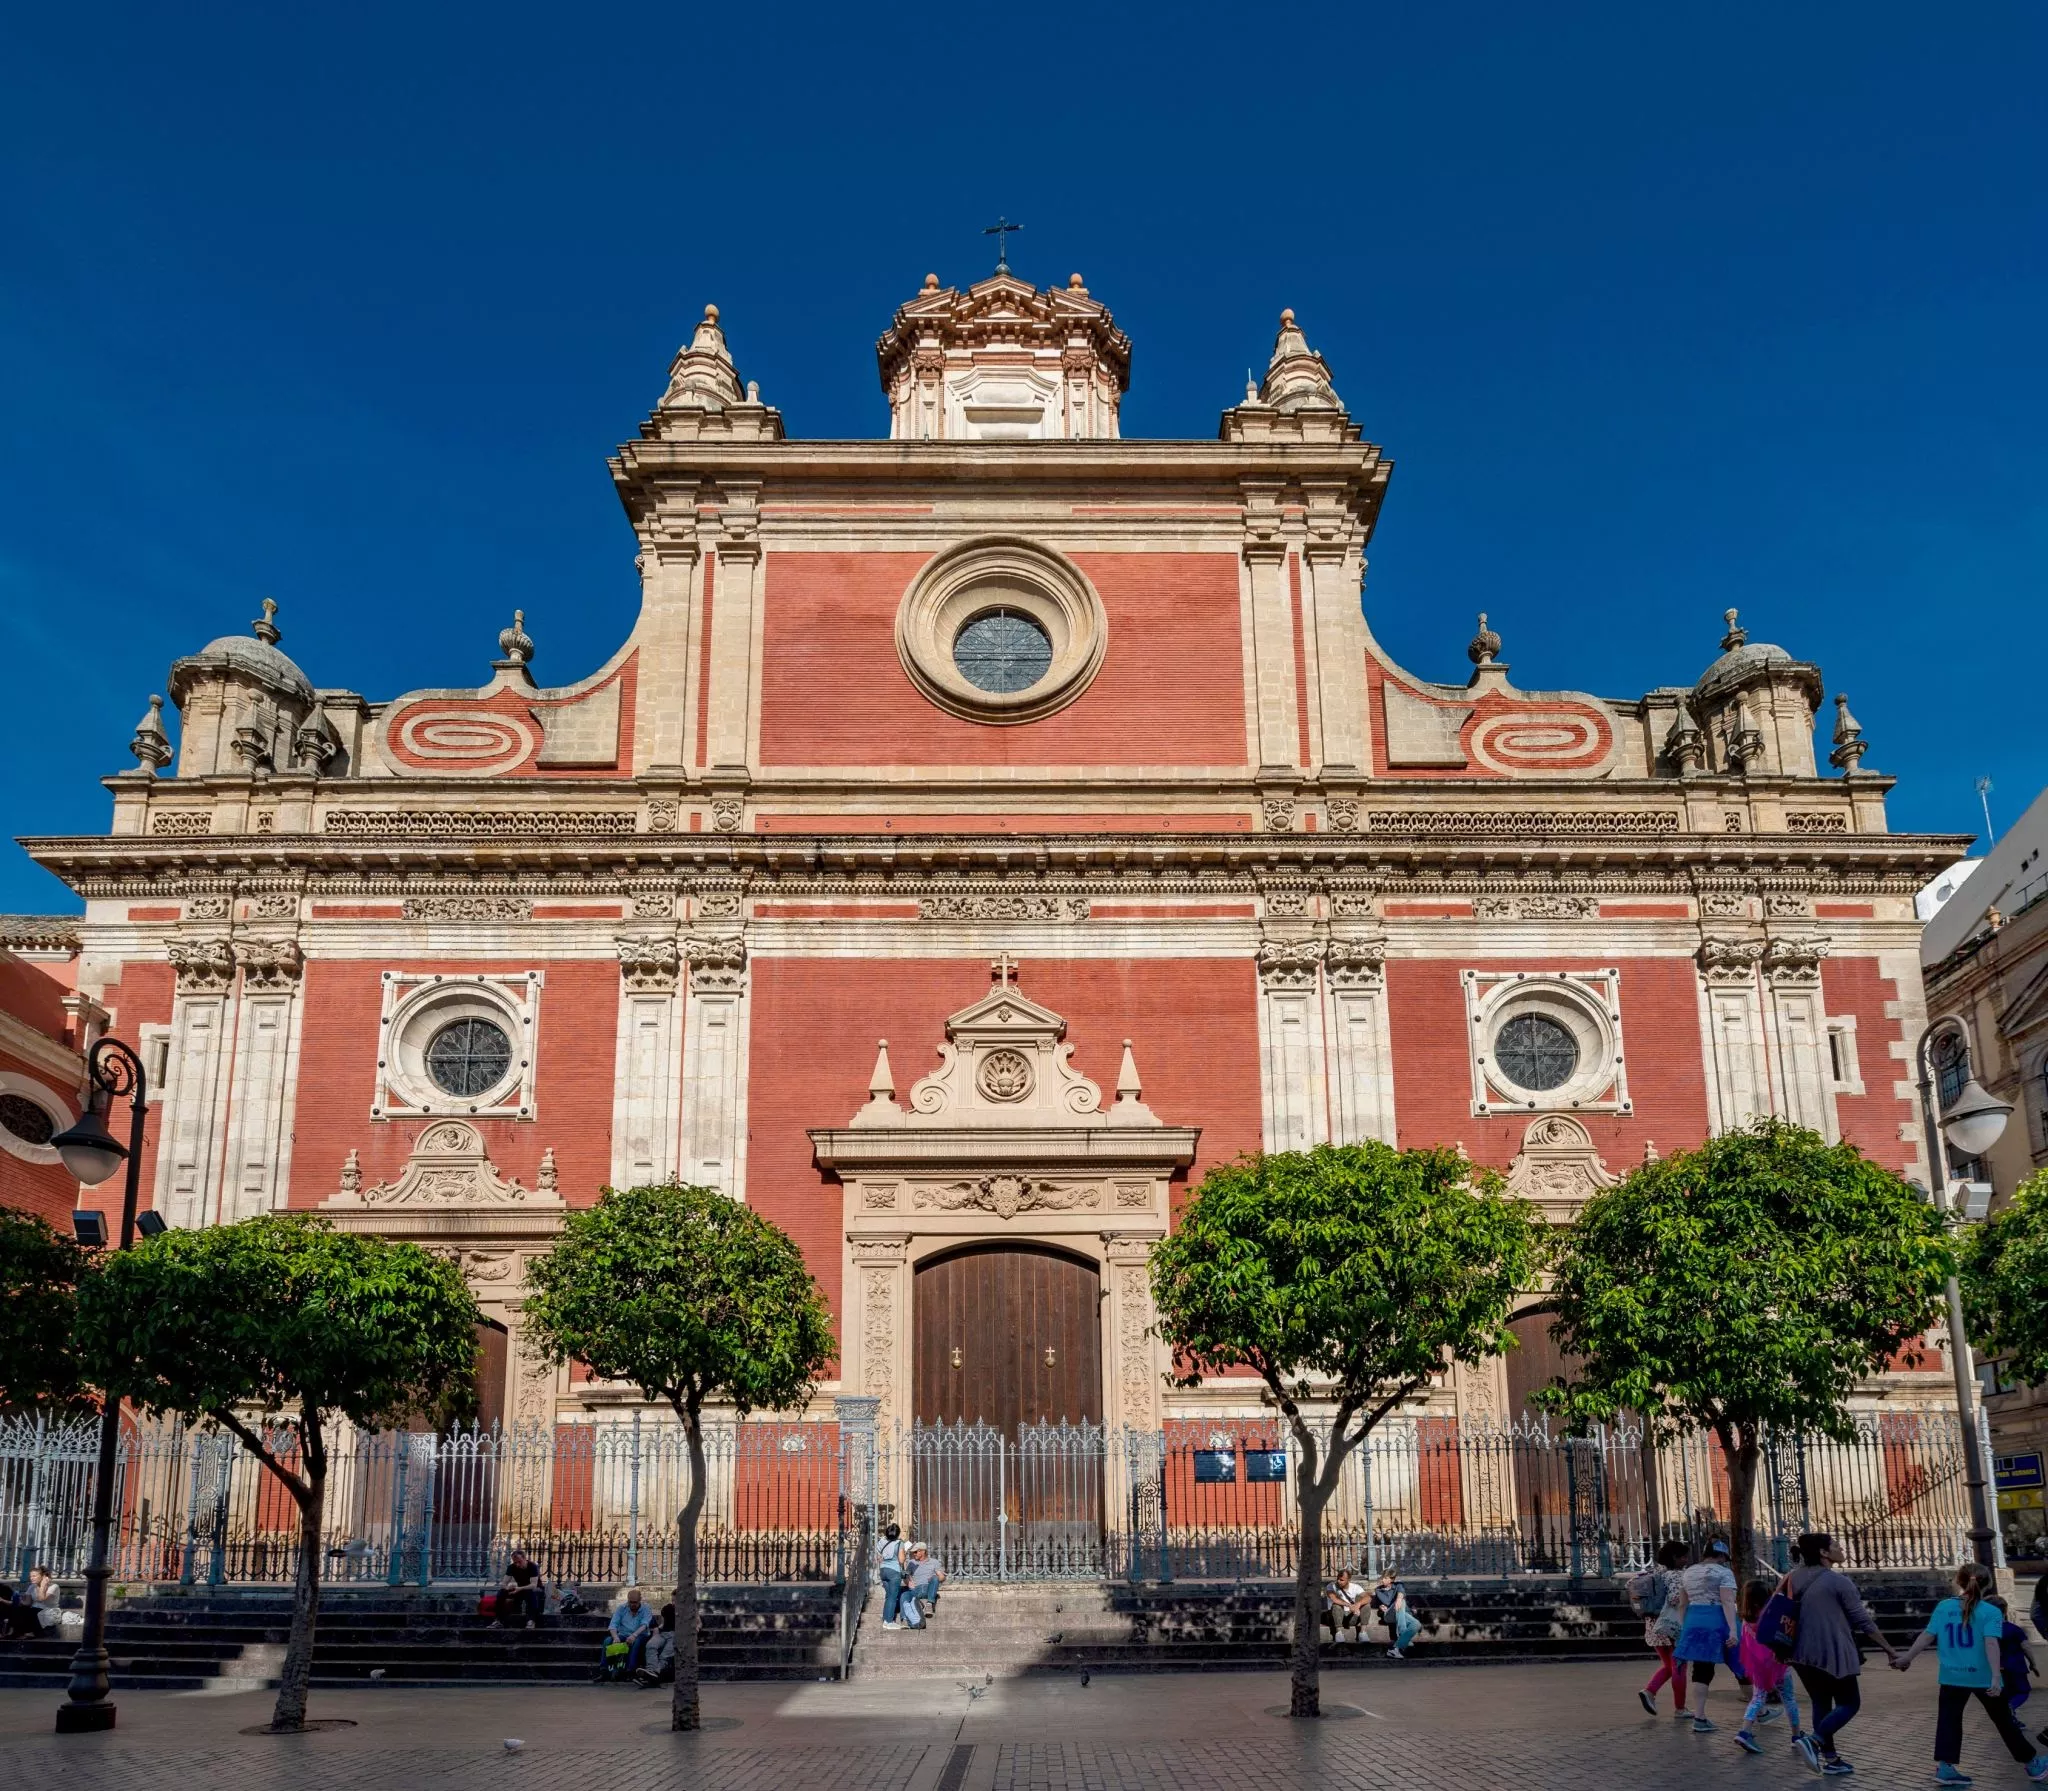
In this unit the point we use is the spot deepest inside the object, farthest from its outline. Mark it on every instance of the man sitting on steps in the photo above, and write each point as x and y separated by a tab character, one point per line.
921	1586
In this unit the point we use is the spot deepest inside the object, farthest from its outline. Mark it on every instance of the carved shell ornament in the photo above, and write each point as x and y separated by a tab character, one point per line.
1005	1075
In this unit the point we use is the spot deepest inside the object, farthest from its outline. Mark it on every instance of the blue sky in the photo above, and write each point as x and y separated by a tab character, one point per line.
1658	310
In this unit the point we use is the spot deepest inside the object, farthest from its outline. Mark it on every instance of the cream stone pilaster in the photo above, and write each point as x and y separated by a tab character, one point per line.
1361	1040
1265	570
1333	626
735	596
188	1160
1732	1026
649	1060
1290	1044
671	567
264	1083
1791	970
1137	1358
874	1341
714	1120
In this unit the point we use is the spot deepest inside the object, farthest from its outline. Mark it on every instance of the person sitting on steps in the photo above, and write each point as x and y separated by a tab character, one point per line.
921	1586
625	1637
1346	1605
659	1666
522	1594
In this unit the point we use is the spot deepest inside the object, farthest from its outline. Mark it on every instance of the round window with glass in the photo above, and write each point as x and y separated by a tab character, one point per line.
26	1120
469	1057
1002	650
1536	1052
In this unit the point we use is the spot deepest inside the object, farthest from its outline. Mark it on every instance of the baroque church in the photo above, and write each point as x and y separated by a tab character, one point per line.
983	831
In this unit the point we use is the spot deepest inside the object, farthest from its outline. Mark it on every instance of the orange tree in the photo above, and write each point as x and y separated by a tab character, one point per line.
274	1328
691	1297
1744	1287
40	1272
1347	1278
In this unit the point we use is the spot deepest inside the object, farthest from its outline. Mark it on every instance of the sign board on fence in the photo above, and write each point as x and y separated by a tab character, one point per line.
2015	1472
1215	1464
1265	1464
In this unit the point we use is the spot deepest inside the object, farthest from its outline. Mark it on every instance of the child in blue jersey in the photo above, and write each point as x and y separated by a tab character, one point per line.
1965	1633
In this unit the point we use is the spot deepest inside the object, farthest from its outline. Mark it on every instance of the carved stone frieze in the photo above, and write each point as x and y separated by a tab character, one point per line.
1286	903
1557	1168
718	904
662	815
1830	821
1786	905
207	907
878	1197
460	823
1343	813
203	966
1729	960
1543	905
1278	812
1724	904
1520	823
1008	1195
276	904
649	963
727	812
181	823
717	963
468	907
1134	1319
1002	905
878	1330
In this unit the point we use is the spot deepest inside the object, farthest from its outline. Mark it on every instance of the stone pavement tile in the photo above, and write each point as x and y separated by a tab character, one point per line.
1564	1727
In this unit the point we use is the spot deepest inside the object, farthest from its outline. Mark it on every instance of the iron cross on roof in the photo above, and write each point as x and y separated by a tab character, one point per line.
1000	230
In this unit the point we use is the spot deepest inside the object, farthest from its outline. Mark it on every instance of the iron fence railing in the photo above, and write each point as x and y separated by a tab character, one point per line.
798	1502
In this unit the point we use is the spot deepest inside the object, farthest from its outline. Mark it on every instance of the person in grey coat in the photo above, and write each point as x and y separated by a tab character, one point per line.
1825	1652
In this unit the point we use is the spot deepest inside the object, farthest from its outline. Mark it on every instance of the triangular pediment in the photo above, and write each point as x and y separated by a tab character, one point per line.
1006	1011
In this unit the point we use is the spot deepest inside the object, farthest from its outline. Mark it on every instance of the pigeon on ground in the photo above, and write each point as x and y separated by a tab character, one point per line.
512	1746
1084	1676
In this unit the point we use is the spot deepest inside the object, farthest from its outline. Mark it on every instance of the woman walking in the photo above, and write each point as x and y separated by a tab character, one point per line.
1708	1588
1654	1593
1965	1632
1825	1653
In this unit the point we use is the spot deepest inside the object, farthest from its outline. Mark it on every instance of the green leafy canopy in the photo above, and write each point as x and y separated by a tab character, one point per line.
1752	1281
2005	1281
685	1293
277	1312
40	1274
1349	1272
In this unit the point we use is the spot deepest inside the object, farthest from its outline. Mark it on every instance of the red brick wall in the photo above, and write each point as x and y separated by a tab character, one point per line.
40	1188
1192	1023
573	1079
1660	1025
1170	691
1871	1121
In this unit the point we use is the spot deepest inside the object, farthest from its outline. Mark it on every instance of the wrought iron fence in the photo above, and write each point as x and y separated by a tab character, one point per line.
796	1502
1429	1496
592	1503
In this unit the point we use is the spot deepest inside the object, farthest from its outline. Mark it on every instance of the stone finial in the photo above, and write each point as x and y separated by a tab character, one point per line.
1128	1088
265	627
931	282
1076	284
549	1178
351	1174
1650	1151
702	376
1745	739
1684	745
882	1081
150	744
314	744
515	645
1296	376
1736	636
1485	645
753	391
1850	745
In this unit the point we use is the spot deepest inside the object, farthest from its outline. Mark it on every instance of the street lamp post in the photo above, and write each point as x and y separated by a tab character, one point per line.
1973	1123
92	1153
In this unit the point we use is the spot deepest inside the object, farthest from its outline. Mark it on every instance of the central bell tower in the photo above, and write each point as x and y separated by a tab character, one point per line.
1003	361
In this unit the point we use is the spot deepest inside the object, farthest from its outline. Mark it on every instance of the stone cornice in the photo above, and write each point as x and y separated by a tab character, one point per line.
20	1040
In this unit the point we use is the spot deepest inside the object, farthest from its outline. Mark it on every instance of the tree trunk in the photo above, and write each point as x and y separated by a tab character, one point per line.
1305	1696
684	1712
1742	1462
298	1654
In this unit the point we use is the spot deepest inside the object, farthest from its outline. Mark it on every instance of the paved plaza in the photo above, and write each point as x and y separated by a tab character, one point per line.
1462	1728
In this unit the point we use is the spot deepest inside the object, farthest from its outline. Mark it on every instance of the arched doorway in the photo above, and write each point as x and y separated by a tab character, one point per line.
1007	1334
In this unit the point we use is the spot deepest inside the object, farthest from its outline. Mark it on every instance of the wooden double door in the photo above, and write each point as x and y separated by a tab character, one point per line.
1007	1335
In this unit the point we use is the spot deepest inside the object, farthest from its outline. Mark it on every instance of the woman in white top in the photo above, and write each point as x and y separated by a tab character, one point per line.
1708	1589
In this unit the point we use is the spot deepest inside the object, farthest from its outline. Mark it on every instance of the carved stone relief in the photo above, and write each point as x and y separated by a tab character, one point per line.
448	1167
1002	906
468	907
1557	1166
649	963
1008	1195
203	966
1289	963
716	964
1729	960
270	963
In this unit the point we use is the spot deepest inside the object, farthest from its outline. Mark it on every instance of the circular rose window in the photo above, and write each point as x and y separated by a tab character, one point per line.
1002	650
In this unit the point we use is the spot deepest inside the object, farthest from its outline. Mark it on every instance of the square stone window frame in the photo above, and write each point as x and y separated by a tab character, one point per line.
411	1001
1596	997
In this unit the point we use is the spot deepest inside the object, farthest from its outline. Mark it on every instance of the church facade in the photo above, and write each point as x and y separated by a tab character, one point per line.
983	832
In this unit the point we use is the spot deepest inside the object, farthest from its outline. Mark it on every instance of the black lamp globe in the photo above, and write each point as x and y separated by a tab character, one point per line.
89	1151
